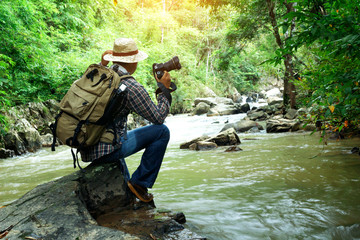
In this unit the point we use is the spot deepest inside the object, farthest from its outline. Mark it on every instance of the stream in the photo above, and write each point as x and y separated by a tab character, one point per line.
281	186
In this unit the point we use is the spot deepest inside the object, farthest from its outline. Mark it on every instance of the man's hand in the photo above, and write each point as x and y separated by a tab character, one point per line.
104	62
166	79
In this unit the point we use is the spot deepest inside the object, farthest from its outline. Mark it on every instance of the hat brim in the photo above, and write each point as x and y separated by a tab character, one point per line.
126	59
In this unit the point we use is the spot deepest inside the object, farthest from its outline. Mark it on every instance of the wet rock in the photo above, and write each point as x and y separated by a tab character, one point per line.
6	153
282	125
257	115
212	113
47	140
243	126
355	150
102	188
201	108
219	106
274	92
186	145
29	135
225	138
274	100
13	141
244	108
209	101
69	207
226	109
202	145
291	114
233	149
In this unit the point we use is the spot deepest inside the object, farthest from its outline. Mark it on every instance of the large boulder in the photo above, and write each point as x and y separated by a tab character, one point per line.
282	125
13	141
203	145
186	145
29	135
243	126
201	108
225	109
224	138
6	153
209	101
257	115
82	205
217	106
291	114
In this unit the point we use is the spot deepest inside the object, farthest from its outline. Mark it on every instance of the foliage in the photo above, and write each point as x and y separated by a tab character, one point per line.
330	83
49	43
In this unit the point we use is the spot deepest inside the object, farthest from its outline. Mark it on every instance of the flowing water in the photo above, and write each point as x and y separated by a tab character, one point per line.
281	186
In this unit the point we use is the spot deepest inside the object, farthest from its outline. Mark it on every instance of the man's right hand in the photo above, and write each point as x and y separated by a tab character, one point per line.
166	79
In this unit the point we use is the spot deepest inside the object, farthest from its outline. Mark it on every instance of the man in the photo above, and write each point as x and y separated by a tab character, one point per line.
153	138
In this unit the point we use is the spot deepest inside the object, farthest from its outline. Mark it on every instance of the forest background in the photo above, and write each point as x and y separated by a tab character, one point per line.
313	46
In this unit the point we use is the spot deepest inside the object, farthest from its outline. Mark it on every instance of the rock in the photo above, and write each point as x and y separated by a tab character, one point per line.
47	140
291	114
82	205
225	138
275	92
274	100
244	108
201	108
226	109
243	126
6	153
186	145
13	141
355	150
208	92
212	113
209	101
282	125
203	145
223	100
29	135
233	149
257	115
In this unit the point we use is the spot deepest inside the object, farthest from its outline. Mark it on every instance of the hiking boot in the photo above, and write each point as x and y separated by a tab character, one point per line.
140	192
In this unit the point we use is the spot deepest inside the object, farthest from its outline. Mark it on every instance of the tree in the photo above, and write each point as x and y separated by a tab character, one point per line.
331	30
255	17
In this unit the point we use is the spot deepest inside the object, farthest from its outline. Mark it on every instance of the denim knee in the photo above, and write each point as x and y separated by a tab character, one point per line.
165	132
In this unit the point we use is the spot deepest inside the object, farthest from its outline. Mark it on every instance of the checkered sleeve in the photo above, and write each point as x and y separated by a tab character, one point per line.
141	103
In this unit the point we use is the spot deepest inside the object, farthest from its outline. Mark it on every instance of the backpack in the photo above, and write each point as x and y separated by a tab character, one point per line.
88	108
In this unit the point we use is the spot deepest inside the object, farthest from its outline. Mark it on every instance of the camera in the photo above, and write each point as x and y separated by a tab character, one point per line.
159	68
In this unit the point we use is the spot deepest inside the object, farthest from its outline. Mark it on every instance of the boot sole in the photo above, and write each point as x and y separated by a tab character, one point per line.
133	190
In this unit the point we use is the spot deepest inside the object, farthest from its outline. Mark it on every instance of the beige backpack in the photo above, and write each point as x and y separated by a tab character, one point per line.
88	108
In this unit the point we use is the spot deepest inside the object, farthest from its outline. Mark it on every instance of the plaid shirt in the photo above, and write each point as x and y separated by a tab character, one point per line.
138	101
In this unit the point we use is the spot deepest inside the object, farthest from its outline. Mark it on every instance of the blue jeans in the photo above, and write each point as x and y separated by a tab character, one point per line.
152	138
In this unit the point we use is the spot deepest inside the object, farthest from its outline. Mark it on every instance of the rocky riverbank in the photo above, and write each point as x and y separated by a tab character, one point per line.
264	111
29	128
30	122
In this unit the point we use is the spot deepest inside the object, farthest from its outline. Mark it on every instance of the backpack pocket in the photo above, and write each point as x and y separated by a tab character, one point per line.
78	102
65	130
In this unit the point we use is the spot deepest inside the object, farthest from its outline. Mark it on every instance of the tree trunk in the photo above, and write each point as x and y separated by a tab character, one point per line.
289	87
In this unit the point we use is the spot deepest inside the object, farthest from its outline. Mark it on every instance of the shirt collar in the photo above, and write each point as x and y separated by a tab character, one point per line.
119	69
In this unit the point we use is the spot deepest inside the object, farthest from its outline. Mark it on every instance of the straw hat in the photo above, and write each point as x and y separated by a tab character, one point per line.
125	50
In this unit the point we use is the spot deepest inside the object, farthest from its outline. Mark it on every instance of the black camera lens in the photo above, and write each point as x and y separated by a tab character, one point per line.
172	64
